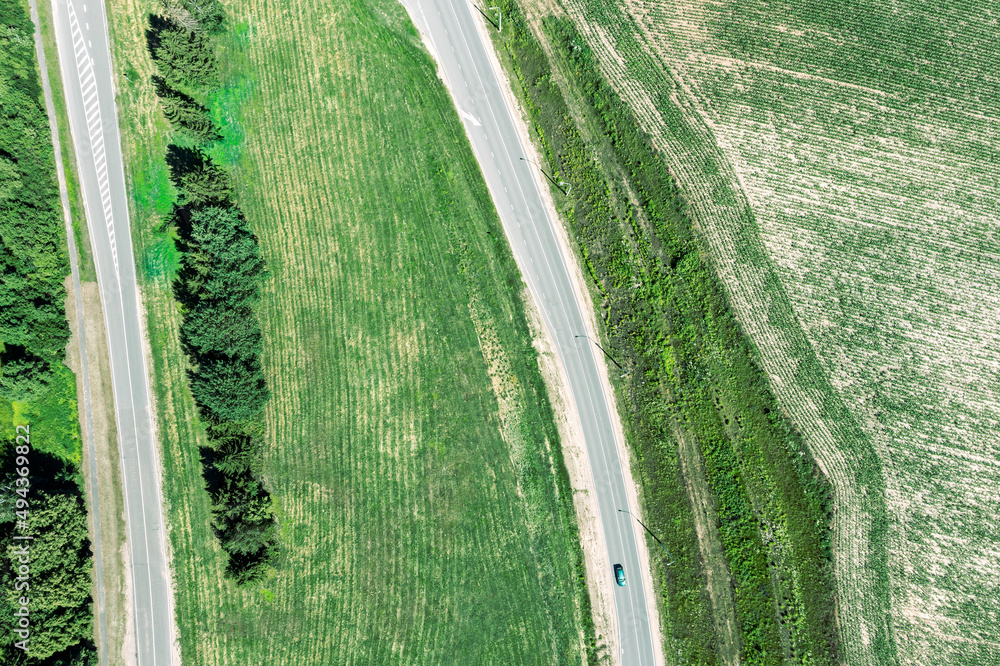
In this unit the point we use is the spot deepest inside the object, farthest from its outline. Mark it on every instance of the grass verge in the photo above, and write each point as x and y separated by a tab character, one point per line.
424	508
691	367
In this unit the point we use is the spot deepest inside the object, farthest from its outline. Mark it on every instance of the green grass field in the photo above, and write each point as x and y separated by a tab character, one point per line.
839	158
424	510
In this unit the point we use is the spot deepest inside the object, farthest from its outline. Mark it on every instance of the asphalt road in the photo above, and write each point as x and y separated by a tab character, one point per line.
85	62
449	25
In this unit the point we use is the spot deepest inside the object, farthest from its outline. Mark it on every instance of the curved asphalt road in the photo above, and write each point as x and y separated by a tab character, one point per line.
476	89
85	62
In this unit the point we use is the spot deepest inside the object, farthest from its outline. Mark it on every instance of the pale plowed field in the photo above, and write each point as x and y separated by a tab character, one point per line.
841	163
412	457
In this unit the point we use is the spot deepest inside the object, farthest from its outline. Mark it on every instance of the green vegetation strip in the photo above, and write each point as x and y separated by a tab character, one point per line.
218	288
415	471
33	260
45	580
866	586
667	315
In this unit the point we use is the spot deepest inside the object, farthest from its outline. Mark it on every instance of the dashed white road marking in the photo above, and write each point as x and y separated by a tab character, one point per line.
92	112
85	65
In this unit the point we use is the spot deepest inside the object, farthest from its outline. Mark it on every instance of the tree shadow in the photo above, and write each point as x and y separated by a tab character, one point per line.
157	25
183	161
246	533
212	476
185	112
48	474
200	181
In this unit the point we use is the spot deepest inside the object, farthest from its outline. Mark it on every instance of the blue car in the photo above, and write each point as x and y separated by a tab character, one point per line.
620	575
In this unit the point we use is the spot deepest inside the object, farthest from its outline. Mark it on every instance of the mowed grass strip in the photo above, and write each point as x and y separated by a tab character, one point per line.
414	530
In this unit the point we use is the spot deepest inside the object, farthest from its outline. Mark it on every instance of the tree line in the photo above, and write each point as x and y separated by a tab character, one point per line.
33	337
33	259
218	287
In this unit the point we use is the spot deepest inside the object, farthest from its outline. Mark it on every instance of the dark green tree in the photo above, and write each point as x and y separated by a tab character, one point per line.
237	269
201	181
60	581
223	270
60	604
22	374
229	389
212	328
243	518
184	57
209	14
33	259
184	113
236	450
243	514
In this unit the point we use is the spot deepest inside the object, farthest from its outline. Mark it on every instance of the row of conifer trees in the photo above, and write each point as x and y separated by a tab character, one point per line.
218	287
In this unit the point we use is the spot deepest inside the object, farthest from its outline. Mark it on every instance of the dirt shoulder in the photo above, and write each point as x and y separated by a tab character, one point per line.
154	423
574	449
118	613
595	552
